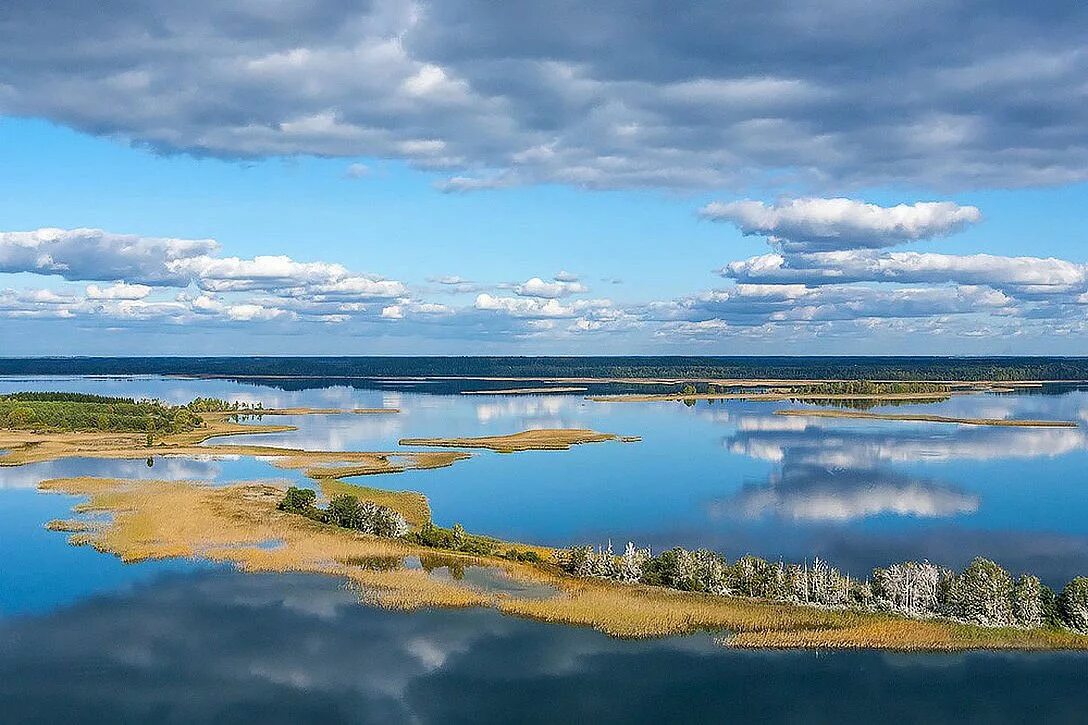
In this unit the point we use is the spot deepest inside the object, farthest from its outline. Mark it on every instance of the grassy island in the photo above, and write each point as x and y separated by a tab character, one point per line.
246	525
547	439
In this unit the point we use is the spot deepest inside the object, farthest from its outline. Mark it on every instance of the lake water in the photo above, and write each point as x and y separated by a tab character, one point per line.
85	637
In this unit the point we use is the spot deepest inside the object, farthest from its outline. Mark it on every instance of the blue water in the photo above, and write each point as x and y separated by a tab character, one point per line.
729	475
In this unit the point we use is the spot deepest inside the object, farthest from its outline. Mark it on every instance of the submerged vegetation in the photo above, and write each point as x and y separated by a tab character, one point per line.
983	594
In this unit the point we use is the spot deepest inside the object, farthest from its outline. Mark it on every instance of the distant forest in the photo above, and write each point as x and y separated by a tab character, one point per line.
851	368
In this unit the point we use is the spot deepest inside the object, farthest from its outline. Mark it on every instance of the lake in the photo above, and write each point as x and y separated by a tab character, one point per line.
84	635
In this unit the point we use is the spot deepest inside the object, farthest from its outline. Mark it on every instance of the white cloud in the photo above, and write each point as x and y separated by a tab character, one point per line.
1029	275
536	287
97	255
357	171
827	224
118	291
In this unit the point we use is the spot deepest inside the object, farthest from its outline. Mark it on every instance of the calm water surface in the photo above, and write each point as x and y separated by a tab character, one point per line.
194	642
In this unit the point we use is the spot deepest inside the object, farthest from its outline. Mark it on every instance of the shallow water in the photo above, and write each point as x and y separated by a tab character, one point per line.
729	475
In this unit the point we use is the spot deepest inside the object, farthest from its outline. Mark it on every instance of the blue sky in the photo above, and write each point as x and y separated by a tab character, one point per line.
350	160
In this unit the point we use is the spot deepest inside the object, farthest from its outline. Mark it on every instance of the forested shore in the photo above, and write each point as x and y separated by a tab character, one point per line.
644	367
983	594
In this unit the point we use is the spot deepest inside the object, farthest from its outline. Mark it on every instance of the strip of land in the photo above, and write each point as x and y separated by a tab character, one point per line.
257	412
924	418
548	439
237	524
21	447
525	391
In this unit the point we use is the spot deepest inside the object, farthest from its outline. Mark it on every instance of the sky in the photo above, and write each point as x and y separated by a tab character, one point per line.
389	177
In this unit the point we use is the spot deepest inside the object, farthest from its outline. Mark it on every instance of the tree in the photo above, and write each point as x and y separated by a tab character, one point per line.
1073	604
1028	604
344	510
982	594
629	565
381	521
754	577
691	571
299	501
911	588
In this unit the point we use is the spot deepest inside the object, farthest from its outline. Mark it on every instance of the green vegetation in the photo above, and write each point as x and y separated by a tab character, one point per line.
58	411
346	511
870	388
453	539
983	594
78	412
658	367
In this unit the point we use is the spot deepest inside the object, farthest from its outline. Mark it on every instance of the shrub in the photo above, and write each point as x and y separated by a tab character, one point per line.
300	501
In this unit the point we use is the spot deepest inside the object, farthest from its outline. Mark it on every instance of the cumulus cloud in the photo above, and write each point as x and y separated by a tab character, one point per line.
496	94
118	291
231	274
1025	275
536	287
800	225
94	254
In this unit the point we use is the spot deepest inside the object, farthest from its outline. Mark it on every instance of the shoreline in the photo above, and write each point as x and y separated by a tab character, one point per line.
234	523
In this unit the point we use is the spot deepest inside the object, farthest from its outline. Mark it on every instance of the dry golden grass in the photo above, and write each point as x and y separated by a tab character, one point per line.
548	439
925	418
73	526
241	525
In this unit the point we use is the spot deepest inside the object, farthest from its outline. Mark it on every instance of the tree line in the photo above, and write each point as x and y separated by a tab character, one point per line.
84	412
983	593
780	367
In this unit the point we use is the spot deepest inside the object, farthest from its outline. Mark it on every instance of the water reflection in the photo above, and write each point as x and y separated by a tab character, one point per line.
230	647
812	493
851	444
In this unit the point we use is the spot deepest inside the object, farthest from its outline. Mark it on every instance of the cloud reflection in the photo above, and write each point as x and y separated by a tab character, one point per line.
811	493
